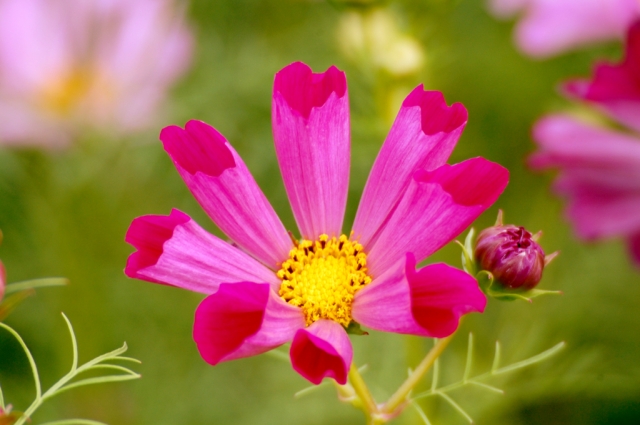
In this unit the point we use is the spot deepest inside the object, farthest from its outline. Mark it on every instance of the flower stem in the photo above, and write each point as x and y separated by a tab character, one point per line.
401	394
360	387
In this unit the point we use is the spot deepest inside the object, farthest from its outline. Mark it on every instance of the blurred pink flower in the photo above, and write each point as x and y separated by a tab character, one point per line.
599	168
599	174
3	280
266	289
615	88
550	27
69	64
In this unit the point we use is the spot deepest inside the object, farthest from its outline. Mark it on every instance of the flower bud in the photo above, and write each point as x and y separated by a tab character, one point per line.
2	281
512	255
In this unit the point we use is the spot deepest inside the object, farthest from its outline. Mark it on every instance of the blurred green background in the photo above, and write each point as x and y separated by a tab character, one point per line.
66	213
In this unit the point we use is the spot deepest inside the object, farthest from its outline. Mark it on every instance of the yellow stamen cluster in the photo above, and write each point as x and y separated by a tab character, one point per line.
322	277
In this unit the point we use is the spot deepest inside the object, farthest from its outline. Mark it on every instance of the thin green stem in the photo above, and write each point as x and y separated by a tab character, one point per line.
401	394
362	391
32	362
36	283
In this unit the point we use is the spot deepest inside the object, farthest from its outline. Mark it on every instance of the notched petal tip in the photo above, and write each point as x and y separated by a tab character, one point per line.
197	148
304	90
436	116
225	319
148	235
475	181
320	351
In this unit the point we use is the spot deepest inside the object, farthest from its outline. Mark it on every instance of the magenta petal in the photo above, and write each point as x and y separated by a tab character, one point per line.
573	145
428	302
634	248
175	251
322	350
243	319
422	137
223	185
616	88
3	280
310	117
436	207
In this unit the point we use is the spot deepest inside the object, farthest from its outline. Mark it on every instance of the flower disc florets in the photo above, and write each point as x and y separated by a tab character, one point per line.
322	277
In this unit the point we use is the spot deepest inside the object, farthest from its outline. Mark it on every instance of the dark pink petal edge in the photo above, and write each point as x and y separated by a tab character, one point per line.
322	350
436	207
174	250
304	90
423	136
427	302
148	235
226	190
243	319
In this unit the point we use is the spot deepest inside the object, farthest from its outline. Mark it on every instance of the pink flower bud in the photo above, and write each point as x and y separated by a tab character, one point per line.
512	255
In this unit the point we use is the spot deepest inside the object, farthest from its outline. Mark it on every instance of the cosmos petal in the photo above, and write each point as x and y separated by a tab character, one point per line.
436	207
310	117
322	350
422	137
243	319
222	184
175	251
427	302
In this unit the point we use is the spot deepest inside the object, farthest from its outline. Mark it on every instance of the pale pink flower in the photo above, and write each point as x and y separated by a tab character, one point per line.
550	27
265	289
72	64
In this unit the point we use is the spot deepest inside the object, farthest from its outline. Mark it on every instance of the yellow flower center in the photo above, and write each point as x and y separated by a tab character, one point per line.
74	91
322	278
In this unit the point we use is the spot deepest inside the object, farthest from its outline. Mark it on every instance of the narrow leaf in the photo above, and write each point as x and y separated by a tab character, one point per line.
35	283
456	406
467	366
74	343
98	380
421	413
531	360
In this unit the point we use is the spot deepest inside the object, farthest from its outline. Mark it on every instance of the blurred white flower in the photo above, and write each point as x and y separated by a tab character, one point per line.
66	65
376	37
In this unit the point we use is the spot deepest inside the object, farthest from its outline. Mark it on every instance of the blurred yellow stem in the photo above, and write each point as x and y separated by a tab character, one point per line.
401	394
368	403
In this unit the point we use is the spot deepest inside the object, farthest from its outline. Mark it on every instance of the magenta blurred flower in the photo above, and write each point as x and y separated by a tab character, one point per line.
616	88
3	280
265	289
600	168
512	256
600	176
70	64
550	27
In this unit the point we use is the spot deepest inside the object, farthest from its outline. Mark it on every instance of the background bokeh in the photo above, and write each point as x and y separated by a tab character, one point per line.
65	213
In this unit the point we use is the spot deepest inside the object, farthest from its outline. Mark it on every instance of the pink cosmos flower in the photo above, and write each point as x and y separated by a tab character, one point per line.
600	176
68	64
550	27
600	168
615	88
265	289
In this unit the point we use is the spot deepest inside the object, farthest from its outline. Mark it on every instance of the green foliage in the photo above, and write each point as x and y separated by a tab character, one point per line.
468	380
101	363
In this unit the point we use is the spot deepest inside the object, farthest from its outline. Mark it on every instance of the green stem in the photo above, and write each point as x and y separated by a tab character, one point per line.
401	394
369	405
